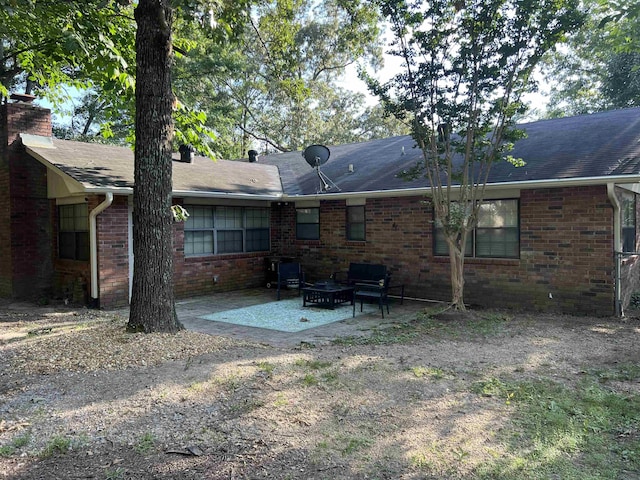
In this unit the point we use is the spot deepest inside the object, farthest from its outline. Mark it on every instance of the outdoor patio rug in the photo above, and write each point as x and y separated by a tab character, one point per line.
287	315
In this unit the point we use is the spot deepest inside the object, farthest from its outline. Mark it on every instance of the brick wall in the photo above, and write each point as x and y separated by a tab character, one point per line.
566	262
195	275
31	227
113	251
6	277
26	242
192	275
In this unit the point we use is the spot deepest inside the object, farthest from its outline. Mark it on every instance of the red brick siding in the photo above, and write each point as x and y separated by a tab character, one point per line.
113	251
6	277
194	275
398	234
566	251
31	227
23	118
26	268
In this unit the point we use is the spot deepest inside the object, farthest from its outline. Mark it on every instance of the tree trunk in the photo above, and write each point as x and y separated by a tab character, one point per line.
152	301
457	278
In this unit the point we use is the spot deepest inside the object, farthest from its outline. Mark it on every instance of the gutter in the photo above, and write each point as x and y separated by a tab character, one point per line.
185	193
217	195
93	247
617	248
399	192
522	185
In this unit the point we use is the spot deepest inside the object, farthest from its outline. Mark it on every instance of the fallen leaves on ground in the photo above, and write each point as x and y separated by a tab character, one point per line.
96	342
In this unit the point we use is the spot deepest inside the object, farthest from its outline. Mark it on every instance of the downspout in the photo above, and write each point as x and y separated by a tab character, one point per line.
93	248
617	247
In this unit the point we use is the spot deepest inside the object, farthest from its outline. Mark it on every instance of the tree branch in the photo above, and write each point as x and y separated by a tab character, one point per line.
264	139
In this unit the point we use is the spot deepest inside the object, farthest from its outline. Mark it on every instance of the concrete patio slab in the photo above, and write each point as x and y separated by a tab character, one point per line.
190	310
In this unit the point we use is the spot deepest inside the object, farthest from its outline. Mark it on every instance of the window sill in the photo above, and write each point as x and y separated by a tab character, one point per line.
209	256
481	261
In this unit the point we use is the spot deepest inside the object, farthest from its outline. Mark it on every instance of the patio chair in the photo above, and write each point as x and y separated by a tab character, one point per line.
290	276
373	292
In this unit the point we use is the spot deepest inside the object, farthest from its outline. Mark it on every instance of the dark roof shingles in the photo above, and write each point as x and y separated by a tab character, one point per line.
596	145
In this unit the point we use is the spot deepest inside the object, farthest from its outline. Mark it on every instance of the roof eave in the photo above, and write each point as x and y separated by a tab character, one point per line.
239	196
187	193
78	185
523	185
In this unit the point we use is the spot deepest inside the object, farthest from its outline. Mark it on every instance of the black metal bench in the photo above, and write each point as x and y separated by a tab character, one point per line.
371	281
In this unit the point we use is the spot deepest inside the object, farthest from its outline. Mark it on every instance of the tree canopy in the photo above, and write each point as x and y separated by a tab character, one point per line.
276	87
599	67
46	44
466	67
262	76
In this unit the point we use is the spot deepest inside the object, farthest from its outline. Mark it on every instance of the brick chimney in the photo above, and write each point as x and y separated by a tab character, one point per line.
22	116
26	242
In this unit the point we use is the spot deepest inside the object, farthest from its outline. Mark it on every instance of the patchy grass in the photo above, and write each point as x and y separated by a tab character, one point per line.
586	431
146	443
433	373
15	444
486	395
57	444
312	364
434	322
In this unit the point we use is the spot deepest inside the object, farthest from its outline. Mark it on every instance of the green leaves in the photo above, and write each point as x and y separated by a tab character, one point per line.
56	43
595	70
466	67
192	129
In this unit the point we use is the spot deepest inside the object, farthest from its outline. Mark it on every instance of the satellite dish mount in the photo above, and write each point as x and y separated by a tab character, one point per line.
317	155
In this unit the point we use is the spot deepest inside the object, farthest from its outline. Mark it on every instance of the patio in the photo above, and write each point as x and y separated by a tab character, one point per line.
191	313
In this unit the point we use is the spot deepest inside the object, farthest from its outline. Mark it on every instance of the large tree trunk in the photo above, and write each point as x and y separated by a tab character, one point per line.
152	301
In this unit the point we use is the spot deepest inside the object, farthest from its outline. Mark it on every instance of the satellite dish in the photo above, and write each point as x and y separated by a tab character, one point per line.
316	155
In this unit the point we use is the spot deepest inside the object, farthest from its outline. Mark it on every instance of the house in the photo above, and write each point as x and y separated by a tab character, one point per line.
558	234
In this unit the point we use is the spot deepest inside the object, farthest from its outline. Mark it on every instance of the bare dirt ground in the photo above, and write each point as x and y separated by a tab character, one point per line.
80	398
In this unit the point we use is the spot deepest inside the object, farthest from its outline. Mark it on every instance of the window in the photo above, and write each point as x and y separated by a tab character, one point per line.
229	226
308	223
257	230
496	235
198	231
355	223
73	232
628	223
217	230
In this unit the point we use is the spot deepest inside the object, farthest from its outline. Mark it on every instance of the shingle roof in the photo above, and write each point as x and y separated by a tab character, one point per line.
587	146
104	167
590	147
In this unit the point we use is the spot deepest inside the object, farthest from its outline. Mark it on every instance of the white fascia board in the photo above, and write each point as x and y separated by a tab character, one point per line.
217	195
491	187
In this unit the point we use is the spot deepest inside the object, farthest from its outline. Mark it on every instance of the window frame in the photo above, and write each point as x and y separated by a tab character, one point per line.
224	230
313	226
628	222
361	234
257	230
76	236
471	250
